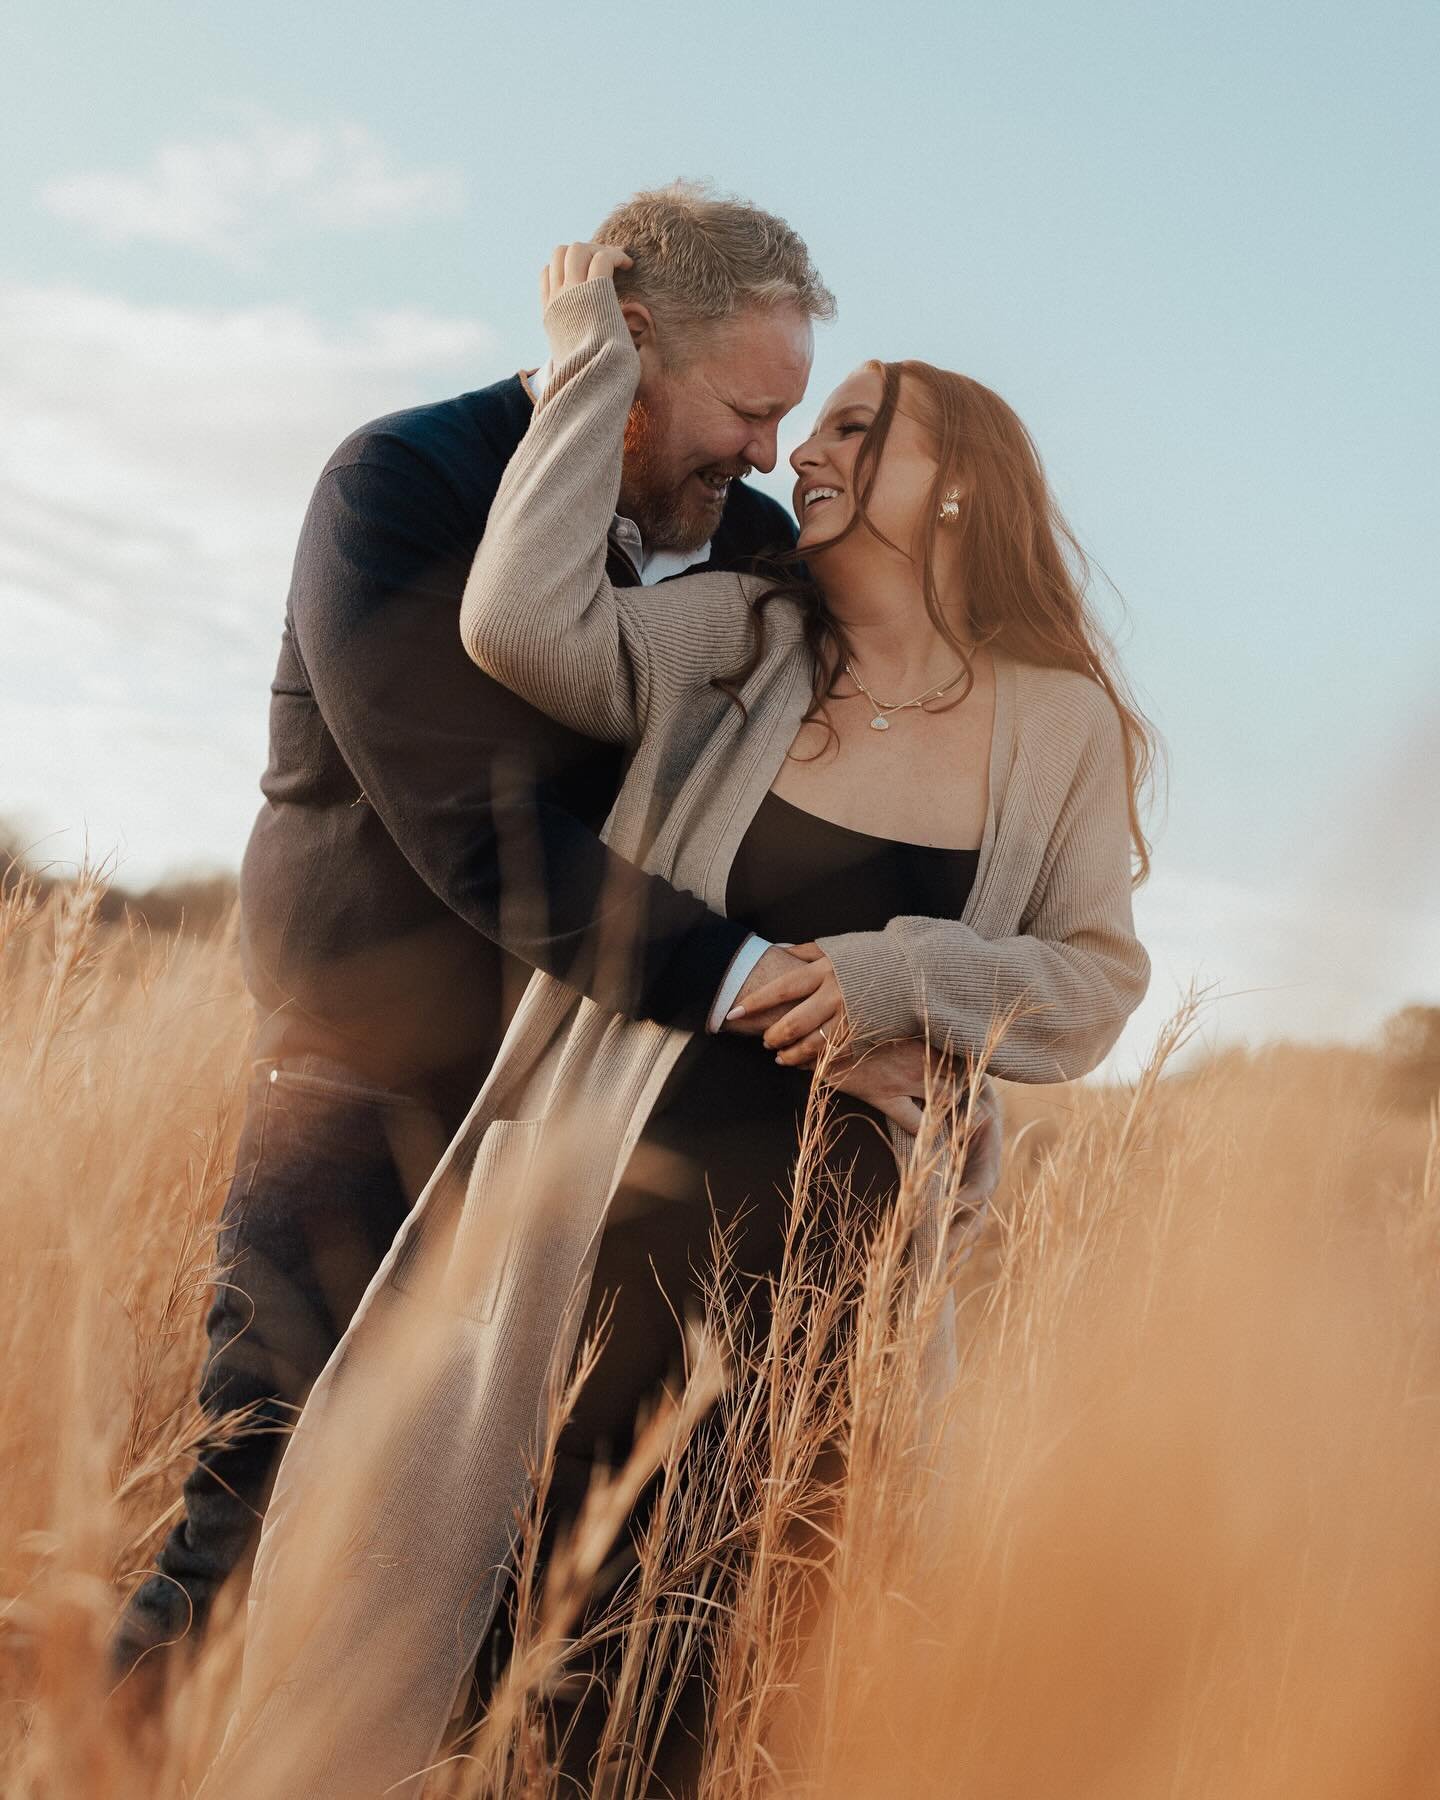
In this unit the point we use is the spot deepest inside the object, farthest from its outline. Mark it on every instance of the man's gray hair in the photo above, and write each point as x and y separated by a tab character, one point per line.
700	258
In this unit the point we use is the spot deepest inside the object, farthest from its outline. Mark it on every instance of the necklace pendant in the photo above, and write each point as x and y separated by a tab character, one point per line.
879	723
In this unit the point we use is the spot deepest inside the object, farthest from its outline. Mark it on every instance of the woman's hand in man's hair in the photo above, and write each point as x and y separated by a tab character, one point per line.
572	265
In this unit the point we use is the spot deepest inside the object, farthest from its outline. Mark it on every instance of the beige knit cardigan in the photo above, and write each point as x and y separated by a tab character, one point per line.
511	1219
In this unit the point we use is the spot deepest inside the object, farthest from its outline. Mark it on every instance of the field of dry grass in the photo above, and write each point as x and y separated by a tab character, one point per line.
1178	1536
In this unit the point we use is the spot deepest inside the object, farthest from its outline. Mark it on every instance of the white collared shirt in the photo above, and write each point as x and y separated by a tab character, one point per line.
653	566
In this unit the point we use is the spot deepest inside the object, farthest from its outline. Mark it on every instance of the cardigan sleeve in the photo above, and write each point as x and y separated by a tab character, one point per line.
1066	982
539	612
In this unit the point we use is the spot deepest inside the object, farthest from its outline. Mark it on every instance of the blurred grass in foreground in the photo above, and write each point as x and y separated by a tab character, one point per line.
1177	1536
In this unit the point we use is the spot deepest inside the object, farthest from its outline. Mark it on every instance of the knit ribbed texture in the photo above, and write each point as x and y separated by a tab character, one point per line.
1047	926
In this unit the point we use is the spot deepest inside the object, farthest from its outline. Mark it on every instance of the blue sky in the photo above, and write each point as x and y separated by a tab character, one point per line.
1195	247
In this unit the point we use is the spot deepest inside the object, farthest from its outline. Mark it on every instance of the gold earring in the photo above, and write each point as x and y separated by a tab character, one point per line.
950	507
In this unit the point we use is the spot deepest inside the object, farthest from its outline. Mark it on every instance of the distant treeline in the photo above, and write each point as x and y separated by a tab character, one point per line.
1410	1044
195	905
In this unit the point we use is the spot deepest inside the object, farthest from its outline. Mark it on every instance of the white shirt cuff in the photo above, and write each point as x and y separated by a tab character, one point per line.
736	976
538	380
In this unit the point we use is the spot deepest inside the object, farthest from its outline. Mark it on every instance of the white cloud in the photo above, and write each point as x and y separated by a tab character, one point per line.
154	468
235	197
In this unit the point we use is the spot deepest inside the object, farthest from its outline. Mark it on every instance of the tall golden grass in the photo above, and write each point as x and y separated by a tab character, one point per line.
1178	1533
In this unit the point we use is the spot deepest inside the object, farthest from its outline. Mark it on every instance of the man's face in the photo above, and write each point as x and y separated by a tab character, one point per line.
700	423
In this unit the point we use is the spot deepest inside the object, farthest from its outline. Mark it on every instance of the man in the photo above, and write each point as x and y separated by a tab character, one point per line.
427	838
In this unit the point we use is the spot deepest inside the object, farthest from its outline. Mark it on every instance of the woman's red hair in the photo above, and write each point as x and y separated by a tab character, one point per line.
1025	575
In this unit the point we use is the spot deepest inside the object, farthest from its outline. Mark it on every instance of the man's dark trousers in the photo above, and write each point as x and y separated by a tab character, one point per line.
326	1169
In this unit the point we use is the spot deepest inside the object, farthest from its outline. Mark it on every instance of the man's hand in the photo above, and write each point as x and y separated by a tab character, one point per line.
571	265
891	1077
746	1018
795	1005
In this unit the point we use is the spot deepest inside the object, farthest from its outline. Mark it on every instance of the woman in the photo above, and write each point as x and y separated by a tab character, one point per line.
917	762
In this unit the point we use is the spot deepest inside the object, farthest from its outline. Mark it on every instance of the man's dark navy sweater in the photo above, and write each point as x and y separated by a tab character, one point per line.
400	775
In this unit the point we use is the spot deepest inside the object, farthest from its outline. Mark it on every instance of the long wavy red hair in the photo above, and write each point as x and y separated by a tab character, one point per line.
1024	574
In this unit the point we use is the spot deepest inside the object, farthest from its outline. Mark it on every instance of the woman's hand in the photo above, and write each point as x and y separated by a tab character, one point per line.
571	265
799	1012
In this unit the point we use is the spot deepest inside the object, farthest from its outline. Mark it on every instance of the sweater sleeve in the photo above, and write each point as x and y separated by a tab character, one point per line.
539	612
1066	982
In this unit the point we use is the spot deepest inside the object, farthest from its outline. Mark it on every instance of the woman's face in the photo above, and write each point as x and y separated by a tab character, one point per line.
824	467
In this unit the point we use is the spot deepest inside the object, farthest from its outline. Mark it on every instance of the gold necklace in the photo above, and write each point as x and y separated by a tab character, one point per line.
881	720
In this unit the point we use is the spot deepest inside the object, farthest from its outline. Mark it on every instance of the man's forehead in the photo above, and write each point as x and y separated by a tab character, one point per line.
768	356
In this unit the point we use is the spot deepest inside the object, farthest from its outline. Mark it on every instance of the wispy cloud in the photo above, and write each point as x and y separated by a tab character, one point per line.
154	467
235	197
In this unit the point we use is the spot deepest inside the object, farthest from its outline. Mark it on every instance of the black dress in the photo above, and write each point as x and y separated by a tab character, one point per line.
721	1141
719	1145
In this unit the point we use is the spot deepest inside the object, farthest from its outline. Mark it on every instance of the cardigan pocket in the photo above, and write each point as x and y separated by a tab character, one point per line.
482	1246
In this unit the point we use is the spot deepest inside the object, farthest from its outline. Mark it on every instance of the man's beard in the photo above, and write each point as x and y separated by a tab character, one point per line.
670	516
